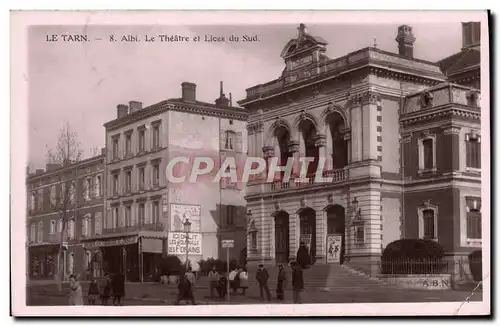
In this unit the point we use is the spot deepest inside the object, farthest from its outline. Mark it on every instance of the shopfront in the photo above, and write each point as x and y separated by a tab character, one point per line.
43	261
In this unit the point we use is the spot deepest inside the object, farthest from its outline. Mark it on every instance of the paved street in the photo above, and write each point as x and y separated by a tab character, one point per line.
156	294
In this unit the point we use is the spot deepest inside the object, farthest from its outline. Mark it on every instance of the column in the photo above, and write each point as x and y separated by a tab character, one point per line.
320	142
329	148
294	148
450	148
347	138
268	154
369	125
356	130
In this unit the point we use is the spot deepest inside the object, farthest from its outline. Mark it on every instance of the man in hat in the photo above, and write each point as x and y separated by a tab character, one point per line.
262	278
280	288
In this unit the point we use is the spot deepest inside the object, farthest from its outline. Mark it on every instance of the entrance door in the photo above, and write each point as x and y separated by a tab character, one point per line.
308	230
335	221
281	237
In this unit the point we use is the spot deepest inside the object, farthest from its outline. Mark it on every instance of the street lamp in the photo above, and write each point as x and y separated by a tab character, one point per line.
187	229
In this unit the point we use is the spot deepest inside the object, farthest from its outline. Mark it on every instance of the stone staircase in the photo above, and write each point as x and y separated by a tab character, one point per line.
325	277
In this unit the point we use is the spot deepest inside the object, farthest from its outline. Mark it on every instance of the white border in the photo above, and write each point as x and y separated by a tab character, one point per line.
19	122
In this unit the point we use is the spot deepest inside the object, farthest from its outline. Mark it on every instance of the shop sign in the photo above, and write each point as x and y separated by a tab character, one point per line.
112	242
177	243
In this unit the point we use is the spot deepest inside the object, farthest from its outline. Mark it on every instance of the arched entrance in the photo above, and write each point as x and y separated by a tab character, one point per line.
281	237
308	131
308	230
335	224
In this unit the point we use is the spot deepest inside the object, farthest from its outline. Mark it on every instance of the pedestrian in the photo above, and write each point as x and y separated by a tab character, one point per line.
75	295
303	258
262	278
222	286
213	281
93	292
185	287
234	281
280	287
118	288
243	279
105	289
297	282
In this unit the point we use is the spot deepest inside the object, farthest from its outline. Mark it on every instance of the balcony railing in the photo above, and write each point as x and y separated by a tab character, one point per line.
338	175
137	227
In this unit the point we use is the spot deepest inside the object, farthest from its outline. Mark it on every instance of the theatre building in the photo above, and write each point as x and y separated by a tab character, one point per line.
145	212
44	219
347	111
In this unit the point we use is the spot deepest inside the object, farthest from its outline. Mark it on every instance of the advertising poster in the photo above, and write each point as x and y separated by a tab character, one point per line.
177	243
333	248
180	212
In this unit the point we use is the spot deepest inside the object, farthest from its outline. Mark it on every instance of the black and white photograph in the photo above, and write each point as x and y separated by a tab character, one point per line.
269	161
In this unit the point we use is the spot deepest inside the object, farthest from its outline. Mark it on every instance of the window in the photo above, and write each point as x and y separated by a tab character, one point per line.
156	135
97	186
72	192
53	195
121	220
33	201
231	212
156	212
473	151
142	179
88	259
88	185
39	201
59	225
115	184
114	222
253	240
156	175
71	229
427	153
429	231
427	221
133	218
40	232
32	232
128	181
359	232
128	144
63	194
230	140
128	215
473	218
141	213
141	140
53	226
98	223
115	149
86	222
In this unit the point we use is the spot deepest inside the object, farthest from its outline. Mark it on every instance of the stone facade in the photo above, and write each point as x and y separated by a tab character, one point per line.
351	114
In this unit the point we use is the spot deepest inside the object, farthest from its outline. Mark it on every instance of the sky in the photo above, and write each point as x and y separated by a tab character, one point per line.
82	83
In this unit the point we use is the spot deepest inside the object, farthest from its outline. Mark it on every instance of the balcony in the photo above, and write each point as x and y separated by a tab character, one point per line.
337	176
136	228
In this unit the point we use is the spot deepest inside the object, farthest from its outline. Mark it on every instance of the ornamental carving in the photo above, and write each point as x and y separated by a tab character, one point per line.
320	141
472	98
268	151
451	130
293	146
255	128
368	97
426	100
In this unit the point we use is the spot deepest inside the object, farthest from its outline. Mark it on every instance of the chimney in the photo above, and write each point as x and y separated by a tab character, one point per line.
134	106
39	171
230	99
122	110
51	167
222	101
471	35
188	92
405	41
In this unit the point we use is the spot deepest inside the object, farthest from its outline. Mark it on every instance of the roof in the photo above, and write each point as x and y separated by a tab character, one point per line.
459	62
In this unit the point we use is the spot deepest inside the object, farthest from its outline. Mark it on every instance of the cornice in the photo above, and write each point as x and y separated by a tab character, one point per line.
427	115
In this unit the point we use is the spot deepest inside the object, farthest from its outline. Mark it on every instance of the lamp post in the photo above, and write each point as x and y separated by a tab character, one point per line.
187	229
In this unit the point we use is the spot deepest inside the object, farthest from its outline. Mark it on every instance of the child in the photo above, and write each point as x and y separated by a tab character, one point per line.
93	292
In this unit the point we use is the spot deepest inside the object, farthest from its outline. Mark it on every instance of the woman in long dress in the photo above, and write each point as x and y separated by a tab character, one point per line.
75	295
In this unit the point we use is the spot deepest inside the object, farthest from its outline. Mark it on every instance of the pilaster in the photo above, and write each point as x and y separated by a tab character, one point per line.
356	129
369	102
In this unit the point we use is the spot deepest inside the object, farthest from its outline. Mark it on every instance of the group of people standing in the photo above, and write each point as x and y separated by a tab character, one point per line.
297	282
104	289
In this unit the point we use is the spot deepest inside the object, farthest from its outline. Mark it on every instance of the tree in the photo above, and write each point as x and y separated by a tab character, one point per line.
66	154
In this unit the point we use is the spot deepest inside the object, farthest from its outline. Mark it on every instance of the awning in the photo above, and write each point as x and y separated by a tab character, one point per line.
122	241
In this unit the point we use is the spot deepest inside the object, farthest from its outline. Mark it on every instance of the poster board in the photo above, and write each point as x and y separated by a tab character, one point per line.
177	243
180	212
333	248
